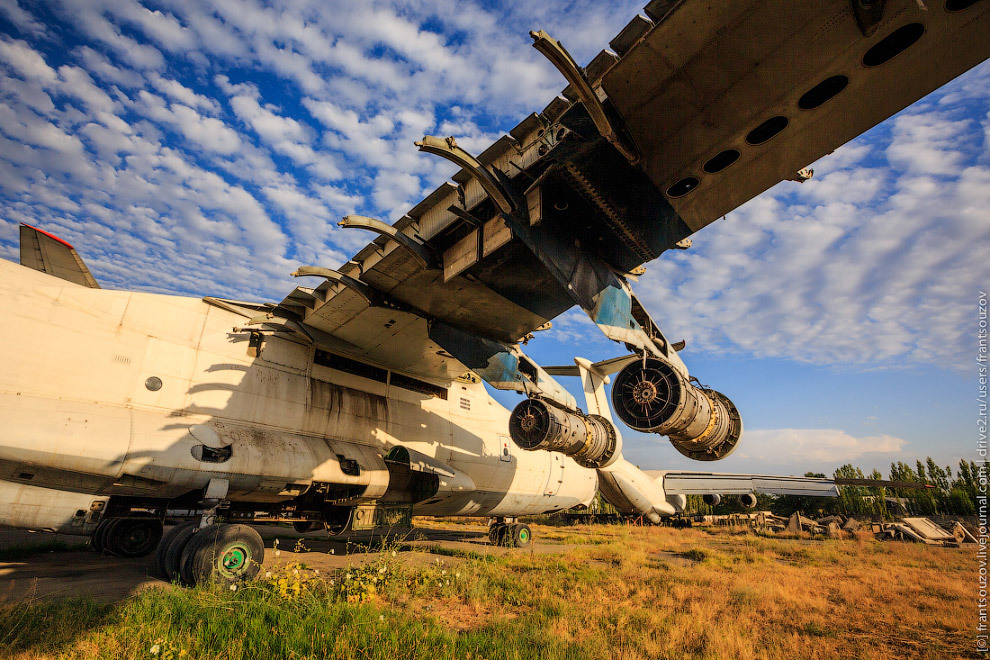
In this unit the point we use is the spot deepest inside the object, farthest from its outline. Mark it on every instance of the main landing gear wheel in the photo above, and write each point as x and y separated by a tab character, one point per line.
304	526
516	535
170	549
132	537
223	554
96	541
521	535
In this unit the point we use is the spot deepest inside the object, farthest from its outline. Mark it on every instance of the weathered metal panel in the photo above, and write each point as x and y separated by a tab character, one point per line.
712	71
495	235
460	256
630	34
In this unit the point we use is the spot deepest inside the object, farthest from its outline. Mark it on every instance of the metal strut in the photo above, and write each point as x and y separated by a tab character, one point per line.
370	295
447	148
560	58
420	251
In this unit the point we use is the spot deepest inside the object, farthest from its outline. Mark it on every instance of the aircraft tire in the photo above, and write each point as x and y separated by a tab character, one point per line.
223	554
521	535
170	549
496	533
304	526
133	537
97	540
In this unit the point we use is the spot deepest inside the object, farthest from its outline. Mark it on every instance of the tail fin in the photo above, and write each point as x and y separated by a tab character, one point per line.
50	254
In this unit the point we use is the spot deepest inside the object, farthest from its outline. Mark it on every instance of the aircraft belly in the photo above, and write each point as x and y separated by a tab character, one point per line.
74	437
24	505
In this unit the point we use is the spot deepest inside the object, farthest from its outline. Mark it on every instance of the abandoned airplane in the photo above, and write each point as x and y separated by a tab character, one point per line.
360	401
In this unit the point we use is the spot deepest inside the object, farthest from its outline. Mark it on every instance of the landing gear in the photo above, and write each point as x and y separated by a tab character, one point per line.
96	540
513	535
521	535
127	537
133	537
223	554
170	549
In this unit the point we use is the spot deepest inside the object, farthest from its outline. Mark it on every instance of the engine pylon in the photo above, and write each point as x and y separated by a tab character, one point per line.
652	396
590	439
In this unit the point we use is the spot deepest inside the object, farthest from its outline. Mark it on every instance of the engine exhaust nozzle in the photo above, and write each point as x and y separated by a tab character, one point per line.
654	397
591	440
711	499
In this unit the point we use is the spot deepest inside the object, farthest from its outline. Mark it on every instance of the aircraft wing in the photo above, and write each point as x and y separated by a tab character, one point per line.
714	483
50	254
735	96
699	106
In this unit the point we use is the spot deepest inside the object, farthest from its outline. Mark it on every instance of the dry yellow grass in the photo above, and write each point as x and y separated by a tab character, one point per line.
655	592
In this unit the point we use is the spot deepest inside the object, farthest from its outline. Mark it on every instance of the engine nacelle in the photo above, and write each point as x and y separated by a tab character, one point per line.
591	440
654	397
711	499
748	500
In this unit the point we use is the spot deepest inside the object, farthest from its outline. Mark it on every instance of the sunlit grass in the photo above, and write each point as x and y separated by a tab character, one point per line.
628	593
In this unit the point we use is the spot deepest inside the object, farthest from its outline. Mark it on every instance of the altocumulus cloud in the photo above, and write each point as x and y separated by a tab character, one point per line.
209	147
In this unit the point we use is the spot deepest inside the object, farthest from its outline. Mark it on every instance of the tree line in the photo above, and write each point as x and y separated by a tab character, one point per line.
948	494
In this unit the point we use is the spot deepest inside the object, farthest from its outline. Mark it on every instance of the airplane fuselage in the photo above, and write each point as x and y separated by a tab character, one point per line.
138	395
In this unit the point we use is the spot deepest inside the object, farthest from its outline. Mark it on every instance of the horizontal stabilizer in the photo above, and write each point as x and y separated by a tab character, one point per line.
50	254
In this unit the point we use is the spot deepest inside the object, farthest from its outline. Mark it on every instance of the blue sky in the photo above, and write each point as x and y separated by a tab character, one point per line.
208	148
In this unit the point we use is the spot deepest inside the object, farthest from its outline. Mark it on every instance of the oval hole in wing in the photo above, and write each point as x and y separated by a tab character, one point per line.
822	92
720	161
893	44
683	187
959	5
767	130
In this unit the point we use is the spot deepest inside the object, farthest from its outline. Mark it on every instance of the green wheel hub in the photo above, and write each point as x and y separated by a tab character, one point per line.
524	535
234	559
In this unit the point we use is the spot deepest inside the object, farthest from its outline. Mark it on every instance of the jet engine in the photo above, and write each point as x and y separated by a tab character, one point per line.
654	397
591	440
711	499
748	500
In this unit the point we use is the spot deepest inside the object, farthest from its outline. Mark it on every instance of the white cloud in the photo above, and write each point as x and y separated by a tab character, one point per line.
97	64
25	61
797	446
22	18
179	92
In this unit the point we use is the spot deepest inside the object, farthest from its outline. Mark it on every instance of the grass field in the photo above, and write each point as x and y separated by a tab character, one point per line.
612	592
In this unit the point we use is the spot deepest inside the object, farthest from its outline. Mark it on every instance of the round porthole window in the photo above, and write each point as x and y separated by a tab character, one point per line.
154	383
